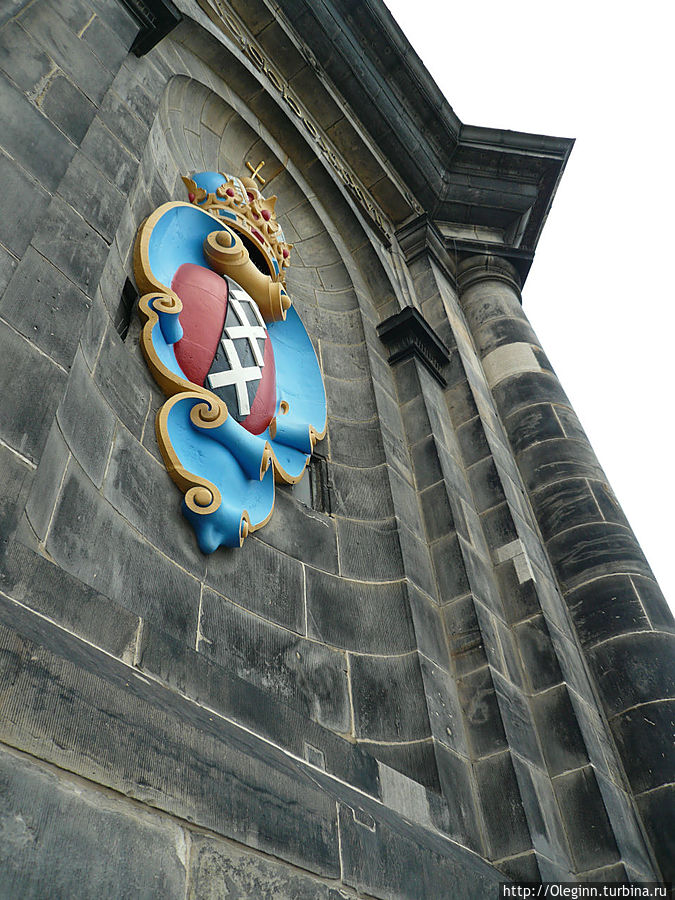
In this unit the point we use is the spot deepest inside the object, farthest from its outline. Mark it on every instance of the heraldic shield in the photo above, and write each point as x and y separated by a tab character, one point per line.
246	397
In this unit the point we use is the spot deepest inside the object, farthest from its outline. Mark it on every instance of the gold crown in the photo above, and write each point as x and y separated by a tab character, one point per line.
238	203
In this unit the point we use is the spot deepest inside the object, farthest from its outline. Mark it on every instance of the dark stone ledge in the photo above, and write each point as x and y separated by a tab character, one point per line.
407	334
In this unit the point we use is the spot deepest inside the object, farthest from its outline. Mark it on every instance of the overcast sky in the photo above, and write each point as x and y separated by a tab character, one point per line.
600	292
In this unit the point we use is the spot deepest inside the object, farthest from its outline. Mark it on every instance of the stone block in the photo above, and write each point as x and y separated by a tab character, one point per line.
436	510
365	617
218	869
498	332
111	157
627	833
31	139
528	389
657	810
558	731
304	674
449	567
50	591
634	669
388	697
540	663
543	816
457	786
429	628
369	550
21	58
464	636
482	718
68	51
294	525
140	858
140	489
95	544
485	484
605	608
595	550
565	505
425	463
396	859
86	421
89	192
645	741
443	705
26	414
352	401
110	47
57	310
262	580
123	383
506	827
72	245
654	603
361	493
68	108
23	202
588	829
47	483
416	561
472	442
517	720
140	85
15	480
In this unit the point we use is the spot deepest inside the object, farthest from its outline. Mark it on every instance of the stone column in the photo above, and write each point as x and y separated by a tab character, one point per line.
615	606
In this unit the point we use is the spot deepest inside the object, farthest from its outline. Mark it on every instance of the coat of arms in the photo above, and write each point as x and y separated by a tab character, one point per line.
221	338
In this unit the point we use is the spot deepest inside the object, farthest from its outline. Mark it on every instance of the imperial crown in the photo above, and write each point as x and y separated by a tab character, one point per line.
241	205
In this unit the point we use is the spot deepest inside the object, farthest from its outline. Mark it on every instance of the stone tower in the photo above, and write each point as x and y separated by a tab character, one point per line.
444	662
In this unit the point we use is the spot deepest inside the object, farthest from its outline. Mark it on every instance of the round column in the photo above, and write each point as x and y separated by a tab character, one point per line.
619	614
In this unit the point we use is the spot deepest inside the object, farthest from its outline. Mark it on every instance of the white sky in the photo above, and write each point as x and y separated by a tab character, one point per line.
600	292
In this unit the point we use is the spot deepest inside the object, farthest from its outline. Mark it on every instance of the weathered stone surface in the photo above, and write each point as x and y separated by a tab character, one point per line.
382	691
396	860
15	479
505	823
299	672
130	571
220	870
57	310
26	415
369	550
142	853
31	139
482	717
588	829
365	617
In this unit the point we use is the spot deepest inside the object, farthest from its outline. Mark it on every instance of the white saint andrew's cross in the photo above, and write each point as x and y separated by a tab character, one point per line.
237	374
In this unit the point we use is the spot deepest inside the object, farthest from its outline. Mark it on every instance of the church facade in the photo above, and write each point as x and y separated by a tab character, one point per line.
437	662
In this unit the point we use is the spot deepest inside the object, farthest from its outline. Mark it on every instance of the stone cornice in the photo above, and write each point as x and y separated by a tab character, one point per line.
408	334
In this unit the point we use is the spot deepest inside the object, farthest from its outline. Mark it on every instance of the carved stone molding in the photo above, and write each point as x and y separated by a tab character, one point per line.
408	334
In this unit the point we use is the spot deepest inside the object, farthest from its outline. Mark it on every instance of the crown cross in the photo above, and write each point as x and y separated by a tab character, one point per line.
254	171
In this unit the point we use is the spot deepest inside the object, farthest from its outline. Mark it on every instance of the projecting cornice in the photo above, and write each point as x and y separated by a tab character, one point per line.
485	188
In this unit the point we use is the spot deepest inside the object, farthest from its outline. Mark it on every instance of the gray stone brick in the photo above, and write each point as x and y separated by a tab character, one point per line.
15	479
517	720
89	192
31	139
482	717
351	401
68	108
46	307
24	201
46	588
369	550
218	869
140	86
540	663
8	264
96	545
293	525
140	857
506	827
261	579
542	814
21	58
31	386
558	731
449	567
360	616
301	673
356	444
587	826
456	784
123	383
361	493
111	157
48	479
388	697
71	245
68	51
106	44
